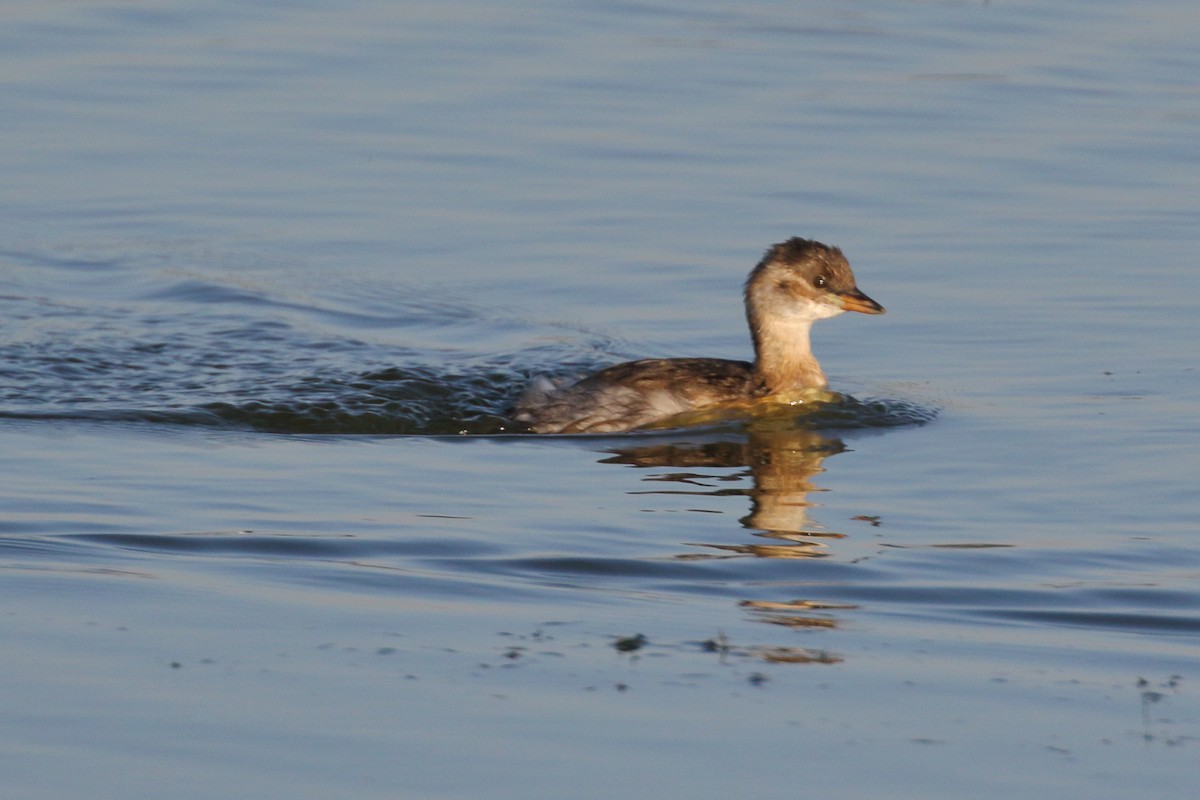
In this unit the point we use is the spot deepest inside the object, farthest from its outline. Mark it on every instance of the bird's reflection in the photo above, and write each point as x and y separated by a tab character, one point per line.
778	457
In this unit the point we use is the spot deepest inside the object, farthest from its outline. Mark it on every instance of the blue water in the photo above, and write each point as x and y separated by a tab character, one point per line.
271	274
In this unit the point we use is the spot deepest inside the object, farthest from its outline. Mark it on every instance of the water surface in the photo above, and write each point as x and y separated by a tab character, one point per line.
270	276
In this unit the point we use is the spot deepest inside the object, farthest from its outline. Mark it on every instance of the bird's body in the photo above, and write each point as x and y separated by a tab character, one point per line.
796	283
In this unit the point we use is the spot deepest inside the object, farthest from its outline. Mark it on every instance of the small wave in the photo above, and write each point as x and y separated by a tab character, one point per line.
392	401
849	413
418	401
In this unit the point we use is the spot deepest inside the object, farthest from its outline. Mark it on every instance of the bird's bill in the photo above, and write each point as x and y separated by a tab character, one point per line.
857	301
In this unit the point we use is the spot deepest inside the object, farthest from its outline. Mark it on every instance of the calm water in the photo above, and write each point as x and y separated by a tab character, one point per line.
270	275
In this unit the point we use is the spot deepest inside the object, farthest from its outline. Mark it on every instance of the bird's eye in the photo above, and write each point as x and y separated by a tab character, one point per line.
819	281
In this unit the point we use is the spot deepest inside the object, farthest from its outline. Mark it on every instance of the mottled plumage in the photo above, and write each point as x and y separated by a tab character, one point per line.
796	283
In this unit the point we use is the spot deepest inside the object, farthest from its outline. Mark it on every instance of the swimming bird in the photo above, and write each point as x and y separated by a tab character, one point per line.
796	283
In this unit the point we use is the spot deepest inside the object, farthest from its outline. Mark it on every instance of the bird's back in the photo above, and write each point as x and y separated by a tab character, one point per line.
633	394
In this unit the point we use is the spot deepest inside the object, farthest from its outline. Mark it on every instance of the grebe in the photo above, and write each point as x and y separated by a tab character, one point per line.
797	283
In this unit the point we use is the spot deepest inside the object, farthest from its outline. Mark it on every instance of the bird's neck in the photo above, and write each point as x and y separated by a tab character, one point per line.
783	361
